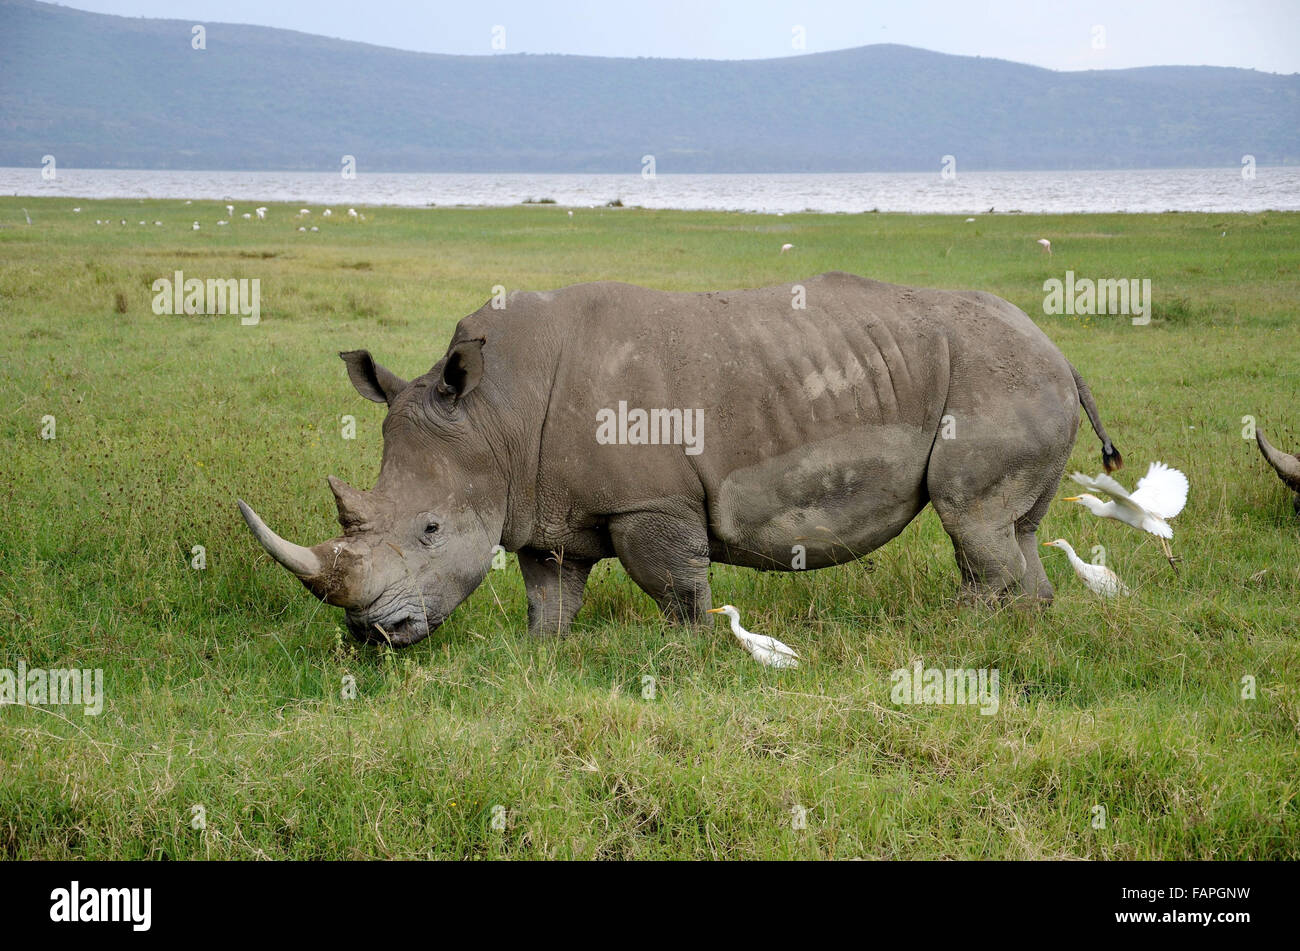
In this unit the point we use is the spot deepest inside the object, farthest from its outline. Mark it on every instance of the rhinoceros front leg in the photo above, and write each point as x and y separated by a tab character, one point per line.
554	583
667	555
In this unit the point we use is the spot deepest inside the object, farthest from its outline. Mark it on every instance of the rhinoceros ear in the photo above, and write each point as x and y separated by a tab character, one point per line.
372	381
462	370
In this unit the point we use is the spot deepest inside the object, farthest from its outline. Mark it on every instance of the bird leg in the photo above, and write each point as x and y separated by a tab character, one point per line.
1169	555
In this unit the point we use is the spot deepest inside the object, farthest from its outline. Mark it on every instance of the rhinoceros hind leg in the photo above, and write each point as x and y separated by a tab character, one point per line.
989	555
1035	581
554	583
667	555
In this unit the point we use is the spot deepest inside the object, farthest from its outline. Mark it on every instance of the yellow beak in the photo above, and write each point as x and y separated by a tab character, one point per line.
1072	498
715	610
1049	544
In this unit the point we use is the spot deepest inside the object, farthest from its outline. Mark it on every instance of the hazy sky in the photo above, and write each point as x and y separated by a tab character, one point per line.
1259	34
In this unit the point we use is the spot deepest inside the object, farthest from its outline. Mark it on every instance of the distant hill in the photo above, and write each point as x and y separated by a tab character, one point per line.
107	91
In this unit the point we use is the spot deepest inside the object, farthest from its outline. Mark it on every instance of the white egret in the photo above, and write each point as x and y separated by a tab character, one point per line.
76	211
768	651
195	227
326	213
223	222
230	210
352	212
1046	245
969	220
314	228
246	216
786	247
304	211
1159	496
1099	579
261	213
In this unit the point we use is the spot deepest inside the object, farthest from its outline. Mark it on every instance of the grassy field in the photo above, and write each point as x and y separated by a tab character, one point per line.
223	685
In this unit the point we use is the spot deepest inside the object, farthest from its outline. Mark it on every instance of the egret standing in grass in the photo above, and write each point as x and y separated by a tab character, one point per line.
1045	245
768	651
1159	496
1099	579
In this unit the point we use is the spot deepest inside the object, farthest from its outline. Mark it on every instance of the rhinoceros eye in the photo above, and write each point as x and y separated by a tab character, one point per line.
431	528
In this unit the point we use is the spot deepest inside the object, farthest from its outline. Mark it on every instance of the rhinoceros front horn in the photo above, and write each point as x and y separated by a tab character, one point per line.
1287	466
303	562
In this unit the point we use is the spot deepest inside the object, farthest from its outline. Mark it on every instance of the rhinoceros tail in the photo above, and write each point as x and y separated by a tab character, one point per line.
1110	457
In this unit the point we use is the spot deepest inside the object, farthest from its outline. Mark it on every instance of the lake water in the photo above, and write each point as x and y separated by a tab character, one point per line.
1218	189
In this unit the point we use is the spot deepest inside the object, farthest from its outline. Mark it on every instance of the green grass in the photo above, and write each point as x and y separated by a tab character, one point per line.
223	685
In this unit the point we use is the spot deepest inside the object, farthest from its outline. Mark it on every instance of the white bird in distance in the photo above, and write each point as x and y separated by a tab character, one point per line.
1159	496
768	651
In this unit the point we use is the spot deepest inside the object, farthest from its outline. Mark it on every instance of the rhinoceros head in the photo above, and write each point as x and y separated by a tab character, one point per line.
422	540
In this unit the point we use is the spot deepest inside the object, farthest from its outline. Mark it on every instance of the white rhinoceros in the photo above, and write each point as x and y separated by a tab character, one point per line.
672	430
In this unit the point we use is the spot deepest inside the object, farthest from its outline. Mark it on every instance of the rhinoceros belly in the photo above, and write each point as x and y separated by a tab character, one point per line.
824	503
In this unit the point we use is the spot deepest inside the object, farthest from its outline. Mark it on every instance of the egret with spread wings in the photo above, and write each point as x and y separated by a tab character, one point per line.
1159	496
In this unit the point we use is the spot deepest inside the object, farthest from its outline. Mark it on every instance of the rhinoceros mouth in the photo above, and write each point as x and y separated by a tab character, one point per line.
394	631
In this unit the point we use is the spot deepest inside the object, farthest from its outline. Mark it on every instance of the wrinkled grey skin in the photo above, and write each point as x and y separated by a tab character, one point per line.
1286	465
823	427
